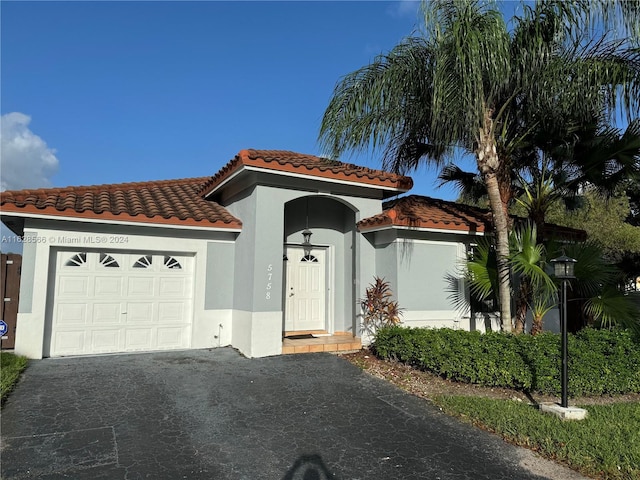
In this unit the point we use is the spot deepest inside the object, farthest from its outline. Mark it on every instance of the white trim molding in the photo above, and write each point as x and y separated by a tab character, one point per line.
118	222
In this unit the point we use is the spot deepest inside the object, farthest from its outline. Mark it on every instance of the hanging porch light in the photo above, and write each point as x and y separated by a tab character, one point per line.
306	241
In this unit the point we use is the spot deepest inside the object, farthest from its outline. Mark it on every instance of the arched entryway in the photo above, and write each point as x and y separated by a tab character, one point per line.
318	286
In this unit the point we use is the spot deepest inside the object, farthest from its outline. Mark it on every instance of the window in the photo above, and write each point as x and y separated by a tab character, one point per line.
309	258
171	263
143	262
77	260
107	260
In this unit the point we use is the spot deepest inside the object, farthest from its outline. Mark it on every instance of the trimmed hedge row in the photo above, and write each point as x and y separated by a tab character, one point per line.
600	361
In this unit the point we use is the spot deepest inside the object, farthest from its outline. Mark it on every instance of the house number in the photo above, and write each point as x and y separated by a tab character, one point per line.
269	283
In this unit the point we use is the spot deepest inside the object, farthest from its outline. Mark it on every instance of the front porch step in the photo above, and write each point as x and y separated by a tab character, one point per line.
334	343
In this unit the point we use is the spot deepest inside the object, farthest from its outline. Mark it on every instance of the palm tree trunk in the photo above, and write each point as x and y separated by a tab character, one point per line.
536	325
502	251
522	305
488	166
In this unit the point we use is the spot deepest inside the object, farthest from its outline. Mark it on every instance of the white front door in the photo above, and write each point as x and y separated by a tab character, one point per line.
305	290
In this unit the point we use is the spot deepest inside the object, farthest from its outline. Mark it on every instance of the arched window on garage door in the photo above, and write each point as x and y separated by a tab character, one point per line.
77	260
108	261
143	262
172	263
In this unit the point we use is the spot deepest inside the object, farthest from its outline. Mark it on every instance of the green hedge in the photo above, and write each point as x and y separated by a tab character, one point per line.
600	361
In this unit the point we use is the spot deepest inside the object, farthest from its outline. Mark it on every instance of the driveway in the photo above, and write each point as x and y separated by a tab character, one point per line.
213	414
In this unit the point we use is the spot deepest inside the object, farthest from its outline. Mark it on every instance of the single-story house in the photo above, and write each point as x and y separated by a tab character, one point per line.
275	242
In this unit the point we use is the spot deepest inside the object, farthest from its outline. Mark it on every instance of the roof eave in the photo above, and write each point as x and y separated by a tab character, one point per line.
120	219
457	229
388	187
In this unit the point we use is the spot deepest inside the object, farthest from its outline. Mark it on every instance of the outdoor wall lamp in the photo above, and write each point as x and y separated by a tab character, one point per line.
306	242
563	268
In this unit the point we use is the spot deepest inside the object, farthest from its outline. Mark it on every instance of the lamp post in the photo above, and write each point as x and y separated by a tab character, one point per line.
563	268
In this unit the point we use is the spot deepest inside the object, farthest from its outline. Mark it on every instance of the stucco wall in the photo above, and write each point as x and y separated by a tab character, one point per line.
219	275
387	263
422	267
267	282
244	208
27	272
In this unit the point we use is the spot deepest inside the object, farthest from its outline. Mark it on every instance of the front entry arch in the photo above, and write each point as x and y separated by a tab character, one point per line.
332	225
305	289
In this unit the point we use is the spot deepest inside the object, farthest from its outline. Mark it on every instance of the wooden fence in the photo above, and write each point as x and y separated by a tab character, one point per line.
10	267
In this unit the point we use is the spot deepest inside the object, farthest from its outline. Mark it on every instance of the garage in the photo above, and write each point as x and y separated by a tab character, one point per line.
115	301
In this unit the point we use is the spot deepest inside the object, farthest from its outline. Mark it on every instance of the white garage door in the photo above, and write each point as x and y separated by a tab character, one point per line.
108	302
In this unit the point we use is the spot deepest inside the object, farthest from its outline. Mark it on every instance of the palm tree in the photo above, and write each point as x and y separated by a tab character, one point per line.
602	158
468	82
553	167
593	289
537	291
528	261
481	275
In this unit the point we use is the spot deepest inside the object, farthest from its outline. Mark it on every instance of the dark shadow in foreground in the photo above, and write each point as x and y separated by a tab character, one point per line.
309	467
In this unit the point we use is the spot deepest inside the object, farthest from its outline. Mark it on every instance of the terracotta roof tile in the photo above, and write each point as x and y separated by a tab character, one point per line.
416	211
424	212
299	163
175	202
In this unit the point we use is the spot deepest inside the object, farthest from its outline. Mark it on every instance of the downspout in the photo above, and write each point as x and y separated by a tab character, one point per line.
354	281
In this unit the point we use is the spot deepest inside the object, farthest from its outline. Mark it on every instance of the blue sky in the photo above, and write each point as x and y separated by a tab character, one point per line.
133	91
110	92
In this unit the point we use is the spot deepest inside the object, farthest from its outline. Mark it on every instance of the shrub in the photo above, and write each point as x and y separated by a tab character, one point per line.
600	361
379	310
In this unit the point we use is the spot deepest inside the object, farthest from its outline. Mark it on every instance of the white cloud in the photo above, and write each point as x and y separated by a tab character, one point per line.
26	160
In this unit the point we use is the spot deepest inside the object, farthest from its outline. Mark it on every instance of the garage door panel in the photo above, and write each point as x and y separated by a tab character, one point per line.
141	286
72	286
108	286
104	341
138	338
173	287
72	314
139	312
171	313
170	337
109	302
106	313
70	342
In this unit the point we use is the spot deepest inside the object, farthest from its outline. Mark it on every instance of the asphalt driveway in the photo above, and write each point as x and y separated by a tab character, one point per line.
213	414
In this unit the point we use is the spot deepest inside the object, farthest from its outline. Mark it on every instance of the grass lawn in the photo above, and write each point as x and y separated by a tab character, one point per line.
605	445
11	366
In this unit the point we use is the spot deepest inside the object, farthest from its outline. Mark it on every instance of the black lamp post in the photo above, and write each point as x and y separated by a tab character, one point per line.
563	268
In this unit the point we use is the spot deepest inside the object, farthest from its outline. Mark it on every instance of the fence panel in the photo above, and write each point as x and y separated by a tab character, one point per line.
10	269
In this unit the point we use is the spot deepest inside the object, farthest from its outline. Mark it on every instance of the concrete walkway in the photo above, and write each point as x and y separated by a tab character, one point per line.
213	414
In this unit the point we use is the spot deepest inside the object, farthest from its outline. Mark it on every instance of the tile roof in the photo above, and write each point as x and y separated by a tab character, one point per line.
302	164
171	202
416	211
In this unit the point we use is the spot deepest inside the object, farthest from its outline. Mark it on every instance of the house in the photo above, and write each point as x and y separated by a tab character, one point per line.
275	242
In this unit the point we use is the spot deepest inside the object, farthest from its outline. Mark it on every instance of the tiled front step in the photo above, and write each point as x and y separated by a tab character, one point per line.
336	343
